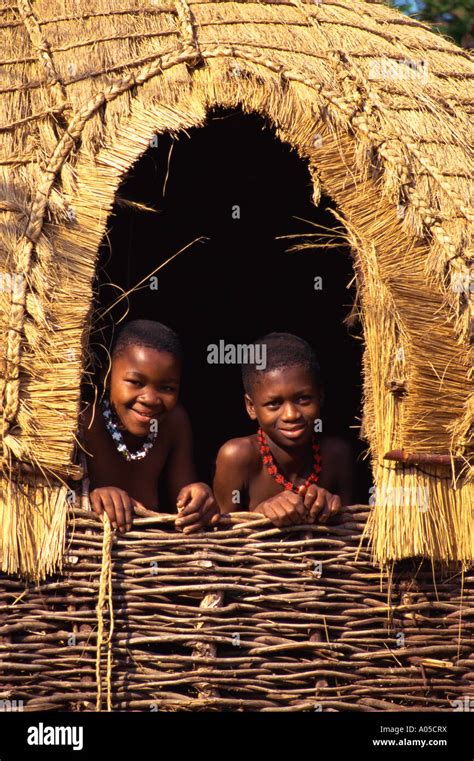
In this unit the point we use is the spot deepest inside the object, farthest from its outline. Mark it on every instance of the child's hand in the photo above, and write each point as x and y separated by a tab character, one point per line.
284	509
116	503
197	508
320	504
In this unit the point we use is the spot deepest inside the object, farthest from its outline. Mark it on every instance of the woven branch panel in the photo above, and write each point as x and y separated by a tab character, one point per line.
242	617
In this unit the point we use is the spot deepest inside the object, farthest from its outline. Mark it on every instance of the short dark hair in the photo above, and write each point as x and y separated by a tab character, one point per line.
147	333
283	350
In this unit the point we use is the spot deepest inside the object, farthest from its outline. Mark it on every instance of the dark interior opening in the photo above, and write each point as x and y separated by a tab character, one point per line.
236	185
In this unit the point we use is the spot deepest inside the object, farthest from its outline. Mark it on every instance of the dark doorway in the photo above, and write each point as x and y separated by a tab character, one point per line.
237	186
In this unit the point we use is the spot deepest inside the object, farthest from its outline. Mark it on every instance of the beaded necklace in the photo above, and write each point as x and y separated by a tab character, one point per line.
273	470
117	436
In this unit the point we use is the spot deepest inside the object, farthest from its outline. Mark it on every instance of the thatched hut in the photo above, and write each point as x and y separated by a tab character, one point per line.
376	104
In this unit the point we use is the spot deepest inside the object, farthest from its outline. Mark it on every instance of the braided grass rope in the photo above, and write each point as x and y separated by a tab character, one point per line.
43	49
105	592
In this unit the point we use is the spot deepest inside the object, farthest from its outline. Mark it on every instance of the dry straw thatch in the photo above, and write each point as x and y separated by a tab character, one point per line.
377	104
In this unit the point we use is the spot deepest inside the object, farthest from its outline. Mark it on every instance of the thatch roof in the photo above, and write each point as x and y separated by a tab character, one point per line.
376	103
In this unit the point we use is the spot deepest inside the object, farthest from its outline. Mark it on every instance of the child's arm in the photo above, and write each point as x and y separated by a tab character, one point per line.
180	465
235	462
232	475
347	475
234	466
338	459
115	502
339	455
195	501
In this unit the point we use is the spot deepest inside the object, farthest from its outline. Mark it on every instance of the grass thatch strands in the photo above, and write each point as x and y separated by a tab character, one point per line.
379	107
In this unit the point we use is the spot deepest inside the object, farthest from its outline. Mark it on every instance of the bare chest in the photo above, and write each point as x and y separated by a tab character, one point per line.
108	467
262	485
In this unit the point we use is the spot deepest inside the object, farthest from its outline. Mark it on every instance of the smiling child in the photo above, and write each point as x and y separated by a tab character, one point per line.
139	427
285	471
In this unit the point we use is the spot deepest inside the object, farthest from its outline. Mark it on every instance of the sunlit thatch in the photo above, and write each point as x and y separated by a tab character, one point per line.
375	102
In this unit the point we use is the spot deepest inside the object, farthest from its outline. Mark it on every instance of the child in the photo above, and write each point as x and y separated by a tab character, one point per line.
138	428
282	472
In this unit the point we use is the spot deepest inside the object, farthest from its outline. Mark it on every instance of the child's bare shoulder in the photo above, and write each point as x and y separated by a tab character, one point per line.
336	446
242	451
336	453
176	425
337	458
176	420
339	467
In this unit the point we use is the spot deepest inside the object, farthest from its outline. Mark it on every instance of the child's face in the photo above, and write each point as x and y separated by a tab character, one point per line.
144	386
286	402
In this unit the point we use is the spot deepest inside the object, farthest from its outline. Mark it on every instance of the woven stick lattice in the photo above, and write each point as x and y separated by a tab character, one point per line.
244	617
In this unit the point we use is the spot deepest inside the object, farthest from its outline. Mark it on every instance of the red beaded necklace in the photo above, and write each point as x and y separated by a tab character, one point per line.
272	467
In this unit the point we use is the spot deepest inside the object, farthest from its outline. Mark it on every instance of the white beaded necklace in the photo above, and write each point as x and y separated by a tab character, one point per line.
117	437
